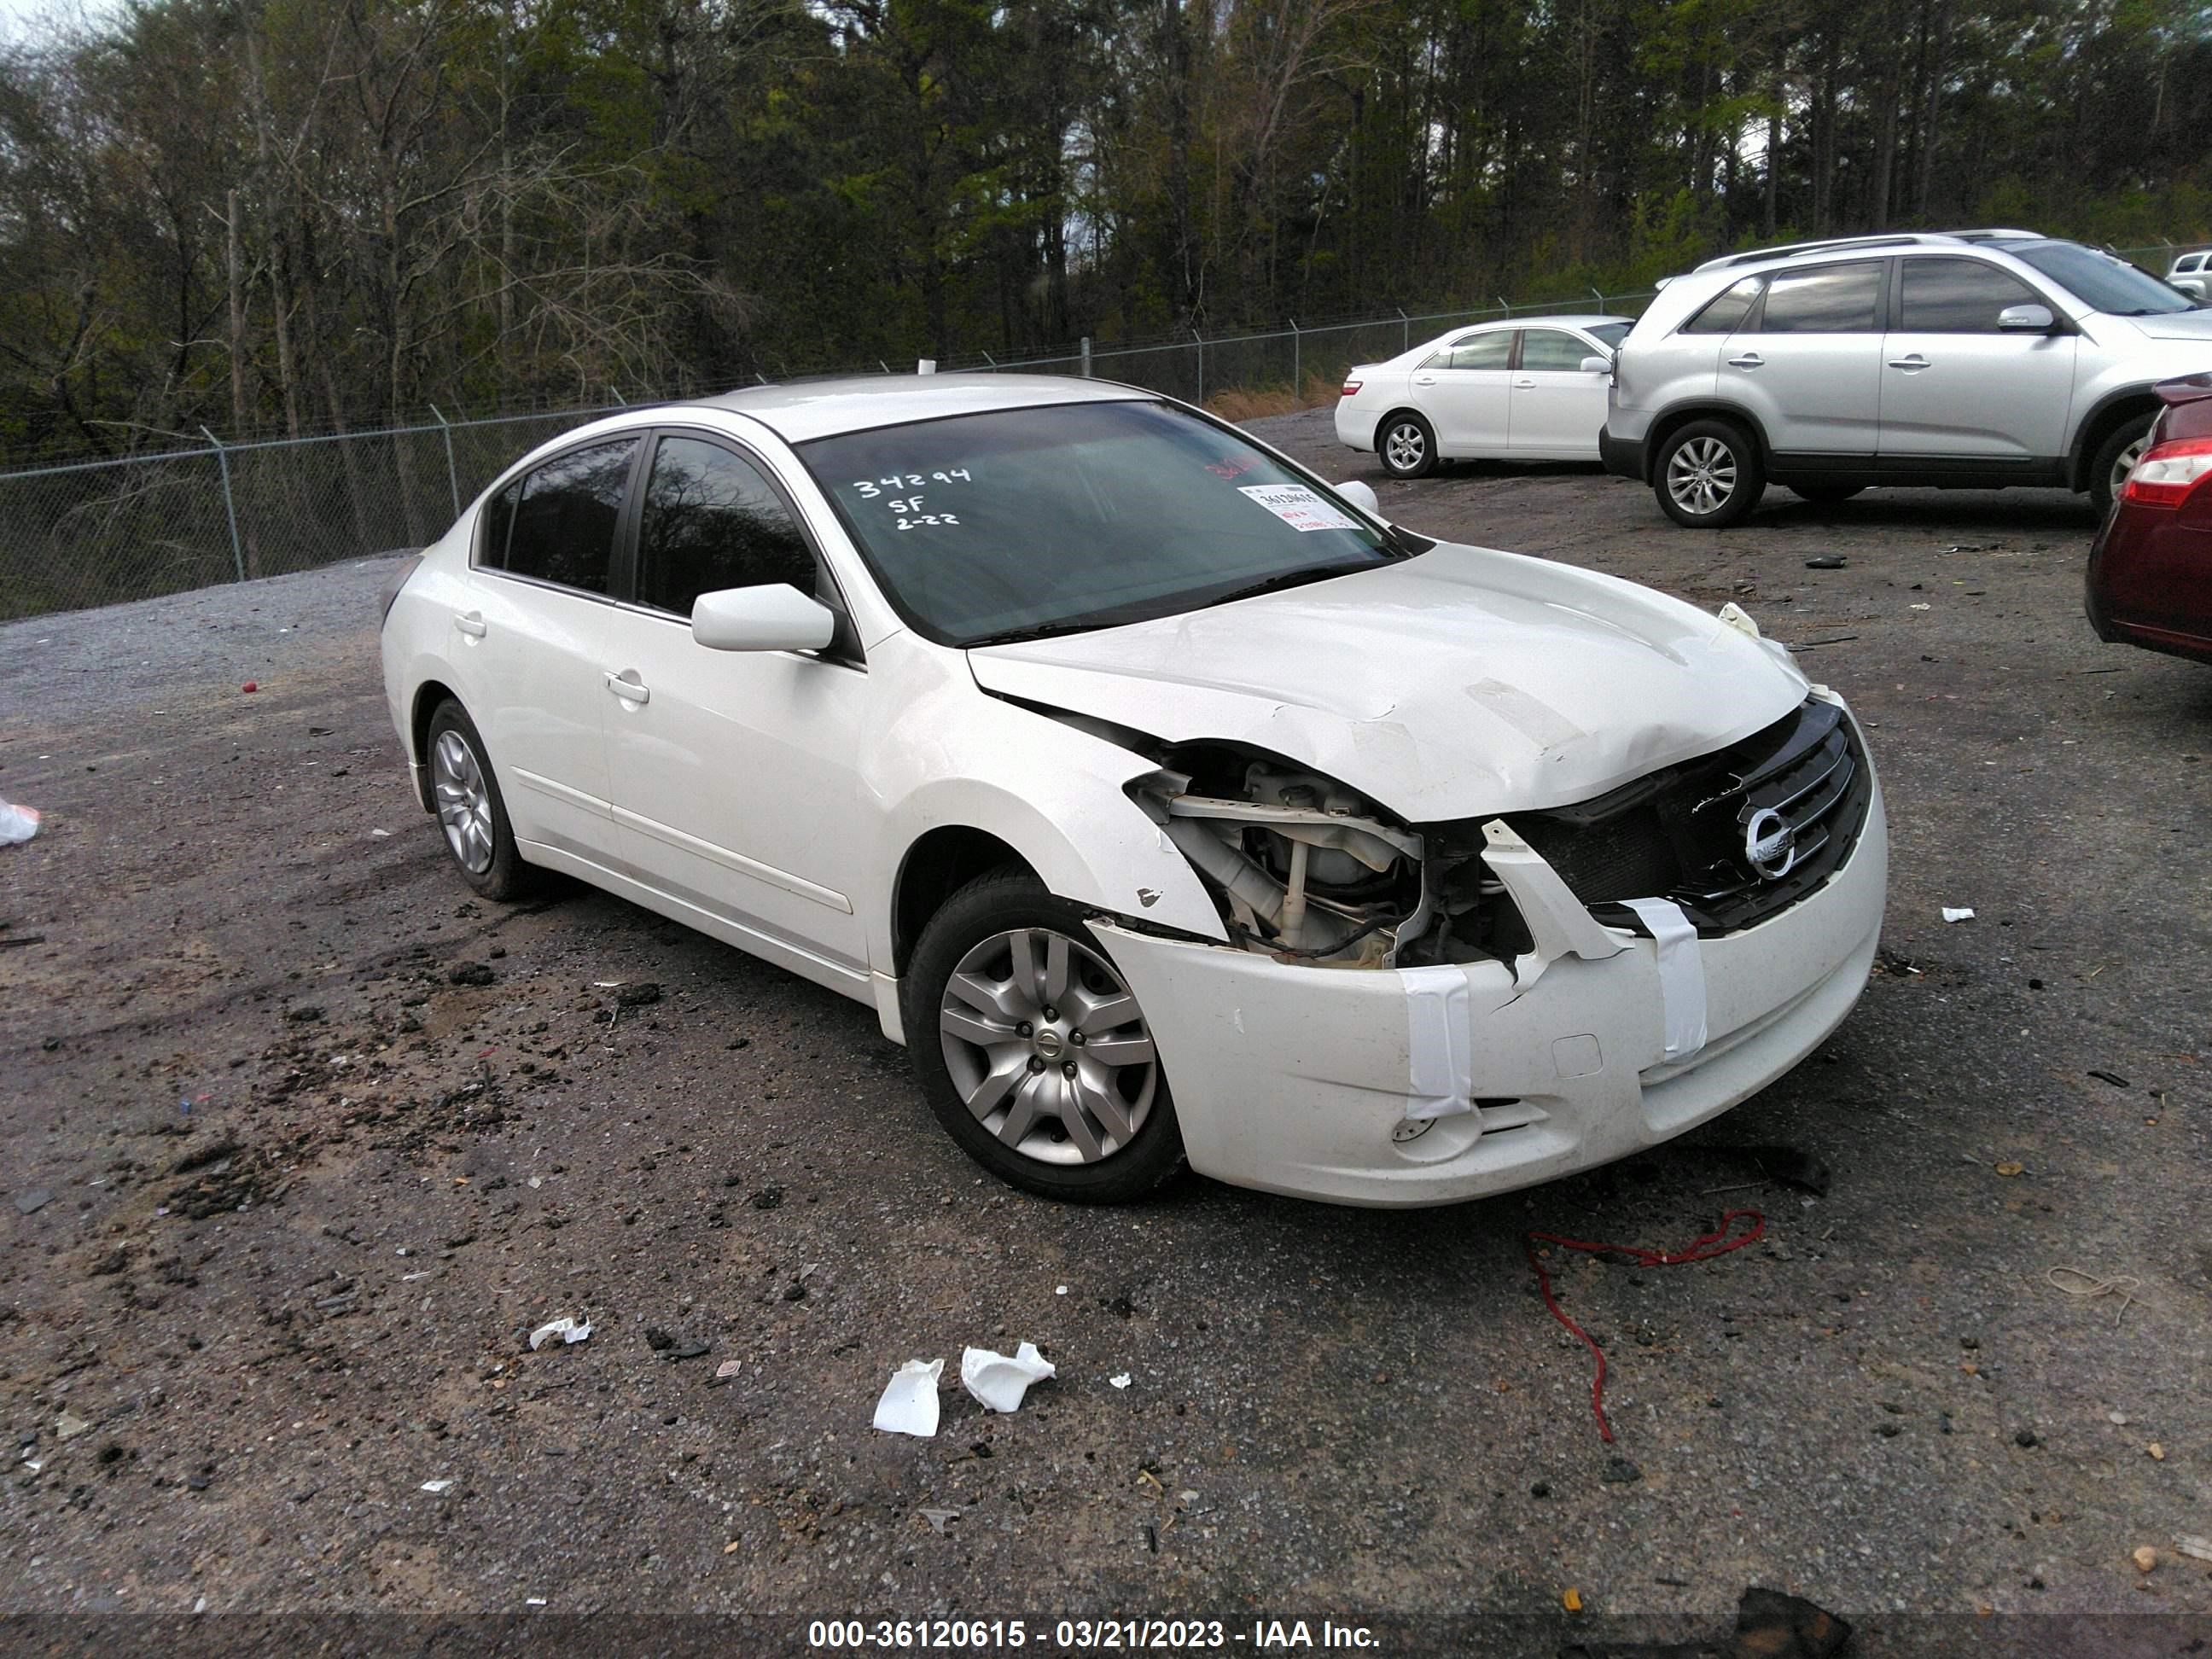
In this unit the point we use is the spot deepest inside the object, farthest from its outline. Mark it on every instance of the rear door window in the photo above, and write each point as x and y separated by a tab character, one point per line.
1958	296
1491	350
1842	299
564	518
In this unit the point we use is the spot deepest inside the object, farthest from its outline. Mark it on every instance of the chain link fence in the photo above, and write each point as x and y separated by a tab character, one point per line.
99	533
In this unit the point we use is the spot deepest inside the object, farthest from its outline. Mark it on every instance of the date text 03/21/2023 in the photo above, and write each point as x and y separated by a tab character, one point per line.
1089	1635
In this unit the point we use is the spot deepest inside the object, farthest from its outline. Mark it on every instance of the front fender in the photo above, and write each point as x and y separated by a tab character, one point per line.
952	755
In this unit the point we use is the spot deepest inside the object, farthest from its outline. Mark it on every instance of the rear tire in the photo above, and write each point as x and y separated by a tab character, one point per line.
1709	475
2122	448
1407	444
471	809
1031	1048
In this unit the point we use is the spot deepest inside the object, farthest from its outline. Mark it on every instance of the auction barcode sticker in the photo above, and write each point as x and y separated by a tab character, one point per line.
1297	506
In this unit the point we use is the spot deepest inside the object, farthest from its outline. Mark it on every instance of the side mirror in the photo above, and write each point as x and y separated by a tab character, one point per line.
2026	319
1361	497
1597	365
775	616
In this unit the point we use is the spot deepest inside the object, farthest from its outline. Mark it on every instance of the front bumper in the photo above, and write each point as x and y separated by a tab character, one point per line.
1623	457
1298	1080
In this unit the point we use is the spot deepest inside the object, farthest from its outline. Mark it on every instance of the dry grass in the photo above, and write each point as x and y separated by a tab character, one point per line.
1251	404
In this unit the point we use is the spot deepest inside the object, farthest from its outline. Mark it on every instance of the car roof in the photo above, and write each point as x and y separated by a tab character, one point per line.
1903	240
1534	319
819	409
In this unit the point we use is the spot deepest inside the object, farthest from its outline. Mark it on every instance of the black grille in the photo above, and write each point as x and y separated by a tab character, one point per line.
1682	832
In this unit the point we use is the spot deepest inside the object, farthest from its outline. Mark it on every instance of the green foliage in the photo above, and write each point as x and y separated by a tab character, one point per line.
505	202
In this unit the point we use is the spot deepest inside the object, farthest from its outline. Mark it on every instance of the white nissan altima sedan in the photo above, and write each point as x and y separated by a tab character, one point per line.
1167	804
1531	389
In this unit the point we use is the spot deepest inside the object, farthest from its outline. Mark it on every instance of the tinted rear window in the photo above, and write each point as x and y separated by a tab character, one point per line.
1722	315
1830	299
564	525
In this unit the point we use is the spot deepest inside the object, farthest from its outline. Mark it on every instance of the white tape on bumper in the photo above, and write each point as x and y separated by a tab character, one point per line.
1681	973
1439	1043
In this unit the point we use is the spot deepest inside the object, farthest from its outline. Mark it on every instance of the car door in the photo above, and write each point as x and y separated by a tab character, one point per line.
528	646
1466	391
1557	408
734	775
1954	385
1808	361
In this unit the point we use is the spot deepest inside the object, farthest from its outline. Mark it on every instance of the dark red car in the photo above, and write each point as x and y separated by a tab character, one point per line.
2150	569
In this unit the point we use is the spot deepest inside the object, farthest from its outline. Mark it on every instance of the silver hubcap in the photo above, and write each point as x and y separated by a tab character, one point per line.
1701	476
2126	463
1404	447
464	802
1046	1046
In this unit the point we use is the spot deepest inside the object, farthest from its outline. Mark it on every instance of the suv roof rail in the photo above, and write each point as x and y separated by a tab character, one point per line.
1790	250
1895	238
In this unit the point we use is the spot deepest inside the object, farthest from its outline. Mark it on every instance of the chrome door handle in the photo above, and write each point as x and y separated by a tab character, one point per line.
1915	361
627	686
1749	360
471	623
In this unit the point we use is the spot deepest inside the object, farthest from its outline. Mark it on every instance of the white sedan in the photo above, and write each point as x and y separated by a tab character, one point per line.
1529	390
1167	804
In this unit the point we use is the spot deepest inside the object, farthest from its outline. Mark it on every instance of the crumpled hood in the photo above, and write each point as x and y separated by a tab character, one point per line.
1460	684
2176	326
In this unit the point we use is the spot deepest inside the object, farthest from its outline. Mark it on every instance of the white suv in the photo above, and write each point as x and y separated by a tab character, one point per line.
1976	359
2188	273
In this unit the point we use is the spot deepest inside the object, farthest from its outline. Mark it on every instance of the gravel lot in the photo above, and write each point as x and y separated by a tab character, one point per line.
282	1311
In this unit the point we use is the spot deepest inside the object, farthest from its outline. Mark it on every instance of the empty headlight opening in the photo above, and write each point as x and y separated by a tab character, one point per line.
1305	868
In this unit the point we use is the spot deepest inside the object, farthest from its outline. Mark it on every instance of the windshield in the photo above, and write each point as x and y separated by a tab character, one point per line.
1023	522
2104	283
1612	333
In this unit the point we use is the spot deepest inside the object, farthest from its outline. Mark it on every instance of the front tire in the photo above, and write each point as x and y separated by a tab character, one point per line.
1709	476
1407	444
471	809
2116	457
1031	1049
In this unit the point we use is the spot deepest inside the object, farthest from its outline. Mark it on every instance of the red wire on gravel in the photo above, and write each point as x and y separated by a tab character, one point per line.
1704	1247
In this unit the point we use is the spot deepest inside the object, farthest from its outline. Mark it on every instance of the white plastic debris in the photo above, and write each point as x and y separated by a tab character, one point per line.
1951	915
1119	1379
564	1327
2195	1548
910	1402
729	1368
437	1486
937	1518
69	1426
18	824
1001	1382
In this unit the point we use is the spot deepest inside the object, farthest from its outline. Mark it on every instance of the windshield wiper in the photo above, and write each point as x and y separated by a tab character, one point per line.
1114	616
1282	579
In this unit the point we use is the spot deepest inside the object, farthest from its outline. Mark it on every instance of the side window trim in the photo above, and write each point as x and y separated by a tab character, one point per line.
518	482
844	652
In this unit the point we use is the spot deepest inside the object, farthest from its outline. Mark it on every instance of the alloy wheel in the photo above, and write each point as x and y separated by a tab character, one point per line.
464	802
1405	447
1047	1048
2125	463
1701	476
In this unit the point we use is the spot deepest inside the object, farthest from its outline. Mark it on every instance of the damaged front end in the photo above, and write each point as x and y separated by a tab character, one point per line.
1305	869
